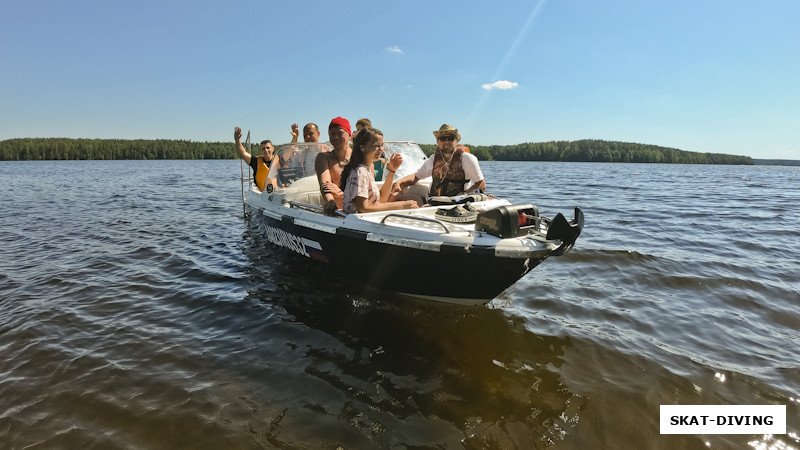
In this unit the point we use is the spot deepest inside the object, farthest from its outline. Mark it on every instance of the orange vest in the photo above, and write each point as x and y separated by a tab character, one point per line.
261	173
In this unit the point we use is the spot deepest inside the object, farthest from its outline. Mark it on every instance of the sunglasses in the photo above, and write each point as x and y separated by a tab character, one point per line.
447	138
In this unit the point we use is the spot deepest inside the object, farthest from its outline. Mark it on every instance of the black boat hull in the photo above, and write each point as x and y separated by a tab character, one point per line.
444	272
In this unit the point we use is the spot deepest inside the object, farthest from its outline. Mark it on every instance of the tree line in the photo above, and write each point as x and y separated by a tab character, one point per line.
588	150
38	149
593	150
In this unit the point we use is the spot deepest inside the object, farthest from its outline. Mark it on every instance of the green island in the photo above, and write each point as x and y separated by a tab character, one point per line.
587	150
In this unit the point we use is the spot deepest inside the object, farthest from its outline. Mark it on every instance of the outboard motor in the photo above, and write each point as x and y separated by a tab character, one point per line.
509	221
565	231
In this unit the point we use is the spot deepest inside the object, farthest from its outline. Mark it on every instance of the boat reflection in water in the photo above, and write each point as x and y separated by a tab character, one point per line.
363	371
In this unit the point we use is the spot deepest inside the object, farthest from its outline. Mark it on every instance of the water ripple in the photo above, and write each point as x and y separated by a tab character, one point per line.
154	316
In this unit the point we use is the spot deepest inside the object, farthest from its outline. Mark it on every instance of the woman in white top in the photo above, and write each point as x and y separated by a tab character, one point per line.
361	193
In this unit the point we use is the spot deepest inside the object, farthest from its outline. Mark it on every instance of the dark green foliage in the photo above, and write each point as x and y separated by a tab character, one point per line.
776	162
34	149
429	149
591	150
482	153
579	151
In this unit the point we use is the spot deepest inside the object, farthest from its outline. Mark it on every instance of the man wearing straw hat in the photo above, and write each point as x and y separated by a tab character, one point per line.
451	168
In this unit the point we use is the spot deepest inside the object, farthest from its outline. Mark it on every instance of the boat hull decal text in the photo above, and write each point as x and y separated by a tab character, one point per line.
303	246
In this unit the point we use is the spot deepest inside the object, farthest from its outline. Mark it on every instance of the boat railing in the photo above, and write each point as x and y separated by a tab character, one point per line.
249	175
407	219
306	206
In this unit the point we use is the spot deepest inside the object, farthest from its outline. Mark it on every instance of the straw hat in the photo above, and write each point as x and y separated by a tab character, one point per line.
447	130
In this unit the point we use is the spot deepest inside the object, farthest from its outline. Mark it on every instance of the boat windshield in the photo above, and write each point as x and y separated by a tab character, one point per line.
413	156
295	161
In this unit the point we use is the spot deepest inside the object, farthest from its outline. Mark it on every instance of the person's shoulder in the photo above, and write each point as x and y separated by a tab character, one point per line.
428	161
425	169
470	157
321	158
365	173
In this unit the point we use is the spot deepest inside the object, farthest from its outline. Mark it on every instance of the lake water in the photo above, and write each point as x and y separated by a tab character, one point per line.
139	309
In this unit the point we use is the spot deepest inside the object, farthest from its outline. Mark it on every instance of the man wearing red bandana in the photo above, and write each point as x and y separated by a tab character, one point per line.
329	165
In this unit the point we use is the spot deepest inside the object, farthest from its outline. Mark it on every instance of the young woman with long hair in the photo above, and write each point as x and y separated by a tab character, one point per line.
361	193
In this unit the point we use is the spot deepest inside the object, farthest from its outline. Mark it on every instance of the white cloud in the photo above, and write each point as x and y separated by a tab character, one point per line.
502	84
394	49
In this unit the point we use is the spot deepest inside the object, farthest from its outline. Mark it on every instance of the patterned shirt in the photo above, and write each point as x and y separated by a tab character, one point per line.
360	183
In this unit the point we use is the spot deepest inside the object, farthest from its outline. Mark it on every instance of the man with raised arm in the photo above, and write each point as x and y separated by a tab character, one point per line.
260	163
310	133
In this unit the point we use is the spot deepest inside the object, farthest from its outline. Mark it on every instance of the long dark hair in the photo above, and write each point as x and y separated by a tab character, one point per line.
357	156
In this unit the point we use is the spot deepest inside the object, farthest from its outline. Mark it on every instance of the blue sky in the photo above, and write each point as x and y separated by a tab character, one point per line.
699	75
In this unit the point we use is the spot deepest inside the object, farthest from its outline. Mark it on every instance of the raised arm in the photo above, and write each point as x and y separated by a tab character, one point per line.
237	137
391	167
295	132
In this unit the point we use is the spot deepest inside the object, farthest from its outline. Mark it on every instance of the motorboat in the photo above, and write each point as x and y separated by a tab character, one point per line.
465	249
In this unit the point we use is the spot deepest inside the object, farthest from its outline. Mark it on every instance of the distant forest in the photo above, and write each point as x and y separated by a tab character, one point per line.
776	162
37	149
592	150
